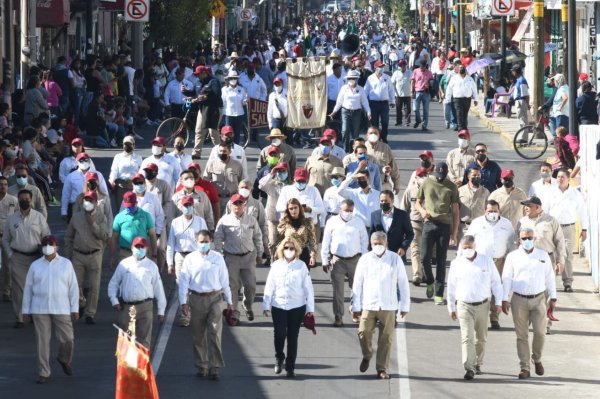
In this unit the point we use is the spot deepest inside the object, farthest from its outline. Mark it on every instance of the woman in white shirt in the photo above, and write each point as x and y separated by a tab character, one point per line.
289	296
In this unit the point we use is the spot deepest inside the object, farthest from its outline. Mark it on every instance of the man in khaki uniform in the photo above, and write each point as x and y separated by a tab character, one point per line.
202	206
85	240
320	166
383	156
238	236
407	204
21	239
225	173
272	183
509	197
37	202
472	197
458	158
8	205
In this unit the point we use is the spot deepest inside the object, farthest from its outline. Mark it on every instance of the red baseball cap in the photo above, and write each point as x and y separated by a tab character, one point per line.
138	176
130	198
402	62
200	69
91	176
464	133
507	173
281	166
187	200
273	150
583	76
91	195
227	129
237	197
77	141
81	156
152	167
140	241
420	171
159	140
49	239
378	64
330	133
277	81
325	139
426	154
194	165
301	174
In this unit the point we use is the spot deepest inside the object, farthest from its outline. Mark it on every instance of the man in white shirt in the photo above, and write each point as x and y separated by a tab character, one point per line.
136	282
124	165
203	281
568	207
277	109
254	85
179	153
51	298
471	278
401	81
168	166
174	95
380	93
380	290
344	240
528	274
335	82
75	183
366	199
461	89
494	237
331	199
544	187
238	153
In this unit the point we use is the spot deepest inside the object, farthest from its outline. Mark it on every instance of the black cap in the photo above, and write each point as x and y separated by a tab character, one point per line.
532	200
440	170
516	67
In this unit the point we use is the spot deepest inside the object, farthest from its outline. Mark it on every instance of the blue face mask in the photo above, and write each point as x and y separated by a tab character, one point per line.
362	157
131	210
325	150
527	245
204	247
335	181
139	253
139	188
21	181
282	176
300	185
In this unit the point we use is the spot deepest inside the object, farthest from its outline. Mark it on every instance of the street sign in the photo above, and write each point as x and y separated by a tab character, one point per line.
429	5
217	9
137	10
503	8
246	14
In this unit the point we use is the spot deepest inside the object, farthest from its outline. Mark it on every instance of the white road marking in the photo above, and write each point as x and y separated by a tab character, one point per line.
402	353
165	333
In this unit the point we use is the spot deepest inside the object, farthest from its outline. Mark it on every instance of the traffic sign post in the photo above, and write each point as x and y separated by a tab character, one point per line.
246	15
137	10
429	5
503	8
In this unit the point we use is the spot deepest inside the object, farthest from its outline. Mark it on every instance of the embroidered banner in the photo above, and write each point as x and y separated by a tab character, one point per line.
306	93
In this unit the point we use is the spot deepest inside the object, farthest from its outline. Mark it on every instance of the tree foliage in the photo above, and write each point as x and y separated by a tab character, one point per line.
401	10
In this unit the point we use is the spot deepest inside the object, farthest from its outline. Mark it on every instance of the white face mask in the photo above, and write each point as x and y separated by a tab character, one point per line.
468	253
492	217
188	210
84	166
289	254
188	183
156	150
279	89
233	82
373	138
48	249
244	192
463	143
347	216
88	206
379	249
276	142
352	82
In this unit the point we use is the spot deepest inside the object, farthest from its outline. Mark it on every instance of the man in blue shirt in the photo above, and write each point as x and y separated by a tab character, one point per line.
361	164
490	170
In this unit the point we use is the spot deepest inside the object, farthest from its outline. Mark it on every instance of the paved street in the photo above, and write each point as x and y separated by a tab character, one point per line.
426	360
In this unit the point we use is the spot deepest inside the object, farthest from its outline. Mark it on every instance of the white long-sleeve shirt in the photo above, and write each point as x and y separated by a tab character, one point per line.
492	239
568	207
334	85
276	108
543	192
173	95
528	273
124	166
460	87
234	99
289	286
345	239
151	204
352	99
51	287
364	203
168	168
310	197
68	165
473	281
204	273
183	159
401	81
237	154
137	280
379	88
380	283
183	235
255	87
73	186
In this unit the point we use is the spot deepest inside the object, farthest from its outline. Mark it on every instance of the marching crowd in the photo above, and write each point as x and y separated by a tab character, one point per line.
342	209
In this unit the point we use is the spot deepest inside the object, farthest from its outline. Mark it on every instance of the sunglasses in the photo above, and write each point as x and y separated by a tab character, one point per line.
481	151
138	182
526	238
18	176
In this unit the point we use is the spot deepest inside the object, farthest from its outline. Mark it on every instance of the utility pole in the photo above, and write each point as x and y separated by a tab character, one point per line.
447	17
461	25
89	29
538	60
572	61
486	48
244	25
137	44
28	38
503	46
565	34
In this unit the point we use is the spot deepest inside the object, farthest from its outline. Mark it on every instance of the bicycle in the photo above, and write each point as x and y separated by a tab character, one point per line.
531	141
174	127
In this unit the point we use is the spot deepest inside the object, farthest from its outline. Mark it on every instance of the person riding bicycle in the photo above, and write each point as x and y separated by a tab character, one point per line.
209	101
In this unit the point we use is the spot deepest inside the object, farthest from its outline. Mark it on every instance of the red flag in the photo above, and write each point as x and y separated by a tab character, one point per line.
135	377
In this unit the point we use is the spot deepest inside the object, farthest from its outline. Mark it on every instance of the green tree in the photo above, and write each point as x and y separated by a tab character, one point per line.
402	13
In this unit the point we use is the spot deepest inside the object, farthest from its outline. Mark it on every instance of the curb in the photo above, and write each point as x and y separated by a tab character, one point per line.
492	125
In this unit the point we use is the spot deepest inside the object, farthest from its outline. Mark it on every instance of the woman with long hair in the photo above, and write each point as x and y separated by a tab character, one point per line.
35	103
297	226
78	86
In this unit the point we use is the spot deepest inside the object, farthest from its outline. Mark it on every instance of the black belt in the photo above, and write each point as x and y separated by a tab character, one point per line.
244	254
86	253
34	253
567	225
379	101
528	296
496	259
328	214
184	253
138	302
476	303
347	258
352	110
210	293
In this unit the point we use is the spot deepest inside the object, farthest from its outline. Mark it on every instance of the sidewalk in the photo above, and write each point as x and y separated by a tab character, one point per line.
506	127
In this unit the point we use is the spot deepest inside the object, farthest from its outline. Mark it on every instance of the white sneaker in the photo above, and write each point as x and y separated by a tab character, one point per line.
113	143
137	136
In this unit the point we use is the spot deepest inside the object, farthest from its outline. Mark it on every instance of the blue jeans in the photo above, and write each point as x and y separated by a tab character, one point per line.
450	115
236	122
380	110
552	126
422	97
562	120
350	126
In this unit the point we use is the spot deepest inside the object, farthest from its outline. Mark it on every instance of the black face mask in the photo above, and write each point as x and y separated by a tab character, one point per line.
476	181
385	206
508	183
227	140
223	157
24	204
179	147
363	184
481	157
425	163
150	175
128	148
92	185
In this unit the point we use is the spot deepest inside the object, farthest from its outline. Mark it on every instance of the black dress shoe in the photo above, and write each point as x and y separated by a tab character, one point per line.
539	368
6	298
90	320
469	375
42	380
203	372
364	365
524	374
67	369
568	288
19	324
290	374
495	325
278	366
478	370
213	374
416	125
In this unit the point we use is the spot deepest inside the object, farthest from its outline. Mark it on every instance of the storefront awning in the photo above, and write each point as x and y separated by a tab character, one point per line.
113	5
53	12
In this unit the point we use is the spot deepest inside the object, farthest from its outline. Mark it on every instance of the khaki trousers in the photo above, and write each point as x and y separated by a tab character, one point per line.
200	134
473	332
63	330
88	269
206	324
570	233
143	321
179	258
242	273
121	187
273	235
340	269
5	273
499	262
161	251
19	266
387	324
415	250
524	311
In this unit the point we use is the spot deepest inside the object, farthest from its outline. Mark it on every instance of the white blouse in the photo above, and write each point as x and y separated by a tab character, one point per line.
289	286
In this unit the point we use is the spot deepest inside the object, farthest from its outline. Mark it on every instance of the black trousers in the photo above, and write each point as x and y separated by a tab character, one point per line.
403	104
286	324
462	105
438	234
